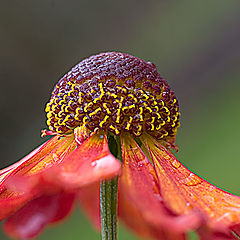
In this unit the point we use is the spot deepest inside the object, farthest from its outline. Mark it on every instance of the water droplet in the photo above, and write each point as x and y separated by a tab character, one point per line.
141	163
191	180
101	136
158	197
176	163
227	215
210	199
94	164
55	157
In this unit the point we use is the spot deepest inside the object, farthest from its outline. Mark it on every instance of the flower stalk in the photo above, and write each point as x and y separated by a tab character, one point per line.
109	199
109	195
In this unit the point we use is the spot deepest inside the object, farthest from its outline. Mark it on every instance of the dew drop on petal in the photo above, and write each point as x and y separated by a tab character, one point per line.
93	164
55	157
210	199
188	205
159	198
191	180
142	162
226	215
176	163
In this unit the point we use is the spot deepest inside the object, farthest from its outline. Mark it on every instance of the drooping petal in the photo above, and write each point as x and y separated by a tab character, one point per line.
89	197
47	155
42	157
10	204
139	191
90	162
183	191
133	218
22	181
65	204
28	222
206	235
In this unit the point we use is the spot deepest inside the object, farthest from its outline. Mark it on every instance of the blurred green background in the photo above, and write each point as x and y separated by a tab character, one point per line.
195	45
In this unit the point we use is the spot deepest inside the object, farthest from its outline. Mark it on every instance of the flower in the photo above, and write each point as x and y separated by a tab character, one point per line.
121	96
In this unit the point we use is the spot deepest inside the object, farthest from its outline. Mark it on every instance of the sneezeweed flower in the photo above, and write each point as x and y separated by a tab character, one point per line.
110	100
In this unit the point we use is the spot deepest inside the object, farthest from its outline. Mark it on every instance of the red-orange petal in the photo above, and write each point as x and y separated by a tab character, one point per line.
139	188
184	192
47	155
29	221
39	159
133	218
65	204
216	236
128	213
11	204
23	181
89	163
89	198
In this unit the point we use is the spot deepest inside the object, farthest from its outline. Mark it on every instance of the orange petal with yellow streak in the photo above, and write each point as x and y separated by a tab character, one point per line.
139	185
89	163
183	191
22	181
45	156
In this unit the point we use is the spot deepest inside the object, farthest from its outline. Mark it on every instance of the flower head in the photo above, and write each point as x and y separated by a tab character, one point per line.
114	92
121	95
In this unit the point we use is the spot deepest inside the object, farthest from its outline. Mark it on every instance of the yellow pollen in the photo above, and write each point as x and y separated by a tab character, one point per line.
114	129
85	119
106	108
146	96
94	112
80	97
113	108
64	97
129	123
149	109
153	119
70	92
103	121
87	106
158	115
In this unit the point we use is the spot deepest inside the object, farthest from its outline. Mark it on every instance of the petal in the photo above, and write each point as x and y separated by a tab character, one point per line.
65	203
89	197
28	222
47	155
22	181
90	162
132	216
10	204
139	186
183	191
42	157
90	202
138	178
217	236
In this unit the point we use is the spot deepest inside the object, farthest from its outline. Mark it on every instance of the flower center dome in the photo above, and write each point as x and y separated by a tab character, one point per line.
115	92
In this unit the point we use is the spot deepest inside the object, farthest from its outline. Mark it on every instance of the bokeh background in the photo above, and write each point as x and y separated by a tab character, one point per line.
195	45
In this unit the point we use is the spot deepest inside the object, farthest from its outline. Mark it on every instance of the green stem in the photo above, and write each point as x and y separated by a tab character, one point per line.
109	196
